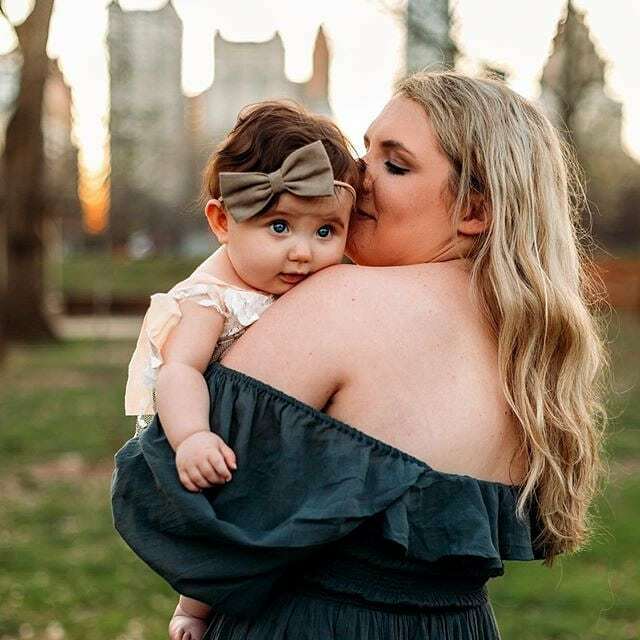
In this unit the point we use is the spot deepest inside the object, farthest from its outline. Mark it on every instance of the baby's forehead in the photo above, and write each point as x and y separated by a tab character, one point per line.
339	205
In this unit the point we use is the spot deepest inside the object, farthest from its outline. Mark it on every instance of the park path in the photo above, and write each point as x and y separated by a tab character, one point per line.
99	327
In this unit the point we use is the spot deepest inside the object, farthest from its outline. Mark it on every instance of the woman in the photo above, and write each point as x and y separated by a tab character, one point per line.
458	372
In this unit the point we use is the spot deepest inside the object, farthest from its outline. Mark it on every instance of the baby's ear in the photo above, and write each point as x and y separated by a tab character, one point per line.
218	220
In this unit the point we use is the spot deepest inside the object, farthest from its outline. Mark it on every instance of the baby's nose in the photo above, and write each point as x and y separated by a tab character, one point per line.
300	251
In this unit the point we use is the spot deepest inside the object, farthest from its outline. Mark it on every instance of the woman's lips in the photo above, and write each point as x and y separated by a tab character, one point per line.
292	278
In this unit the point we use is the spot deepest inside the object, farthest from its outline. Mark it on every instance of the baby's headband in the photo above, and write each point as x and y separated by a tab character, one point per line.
305	172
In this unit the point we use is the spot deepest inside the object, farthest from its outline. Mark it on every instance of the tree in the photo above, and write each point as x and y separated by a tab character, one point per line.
23	207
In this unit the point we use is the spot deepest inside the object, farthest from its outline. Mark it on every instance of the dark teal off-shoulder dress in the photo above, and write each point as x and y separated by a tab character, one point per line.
323	533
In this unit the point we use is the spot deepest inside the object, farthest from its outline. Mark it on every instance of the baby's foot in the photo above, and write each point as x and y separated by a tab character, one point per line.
184	626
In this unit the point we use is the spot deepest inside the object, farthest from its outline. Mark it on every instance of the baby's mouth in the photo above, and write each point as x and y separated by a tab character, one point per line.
293	278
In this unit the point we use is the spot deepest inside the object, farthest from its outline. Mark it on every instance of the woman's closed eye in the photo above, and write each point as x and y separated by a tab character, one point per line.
395	169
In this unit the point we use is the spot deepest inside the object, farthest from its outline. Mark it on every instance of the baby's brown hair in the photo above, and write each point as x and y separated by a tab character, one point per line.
266	133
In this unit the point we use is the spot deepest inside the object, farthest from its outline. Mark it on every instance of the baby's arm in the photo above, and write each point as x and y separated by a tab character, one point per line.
182	398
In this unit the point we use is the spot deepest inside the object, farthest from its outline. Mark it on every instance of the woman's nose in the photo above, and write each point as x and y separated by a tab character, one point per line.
365	176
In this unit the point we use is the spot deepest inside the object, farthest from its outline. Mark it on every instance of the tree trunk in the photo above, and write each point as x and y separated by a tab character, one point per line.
4	275
25	201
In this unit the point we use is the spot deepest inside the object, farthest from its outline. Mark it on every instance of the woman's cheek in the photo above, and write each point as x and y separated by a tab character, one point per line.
360	242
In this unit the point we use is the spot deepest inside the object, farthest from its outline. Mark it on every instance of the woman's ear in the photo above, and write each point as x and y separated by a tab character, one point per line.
477	218
218	220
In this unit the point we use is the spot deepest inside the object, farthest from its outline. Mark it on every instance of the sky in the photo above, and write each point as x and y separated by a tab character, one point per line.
366	41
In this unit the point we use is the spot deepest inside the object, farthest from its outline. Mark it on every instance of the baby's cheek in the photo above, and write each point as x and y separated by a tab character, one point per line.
336	254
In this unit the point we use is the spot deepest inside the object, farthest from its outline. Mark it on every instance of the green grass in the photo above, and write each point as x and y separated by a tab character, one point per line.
63	567
61	562
99	275
594	594
624	403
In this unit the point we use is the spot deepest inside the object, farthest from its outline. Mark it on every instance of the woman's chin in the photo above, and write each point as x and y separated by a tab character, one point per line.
356	251
352	253
361	239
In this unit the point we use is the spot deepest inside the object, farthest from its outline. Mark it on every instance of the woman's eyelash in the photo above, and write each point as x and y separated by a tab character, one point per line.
395	169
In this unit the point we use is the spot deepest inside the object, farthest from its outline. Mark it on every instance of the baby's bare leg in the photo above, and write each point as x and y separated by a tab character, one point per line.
189	621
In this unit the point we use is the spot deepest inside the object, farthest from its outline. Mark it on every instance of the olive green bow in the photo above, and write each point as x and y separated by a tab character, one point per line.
305	172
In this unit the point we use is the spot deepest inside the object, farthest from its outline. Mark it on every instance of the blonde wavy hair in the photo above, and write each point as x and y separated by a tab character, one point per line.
530	276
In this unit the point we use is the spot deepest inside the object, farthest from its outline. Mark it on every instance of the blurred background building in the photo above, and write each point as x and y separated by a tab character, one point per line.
575	97
429	41
150	157
160	138
60	153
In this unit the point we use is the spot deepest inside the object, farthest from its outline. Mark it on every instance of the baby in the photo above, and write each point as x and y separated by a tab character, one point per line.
278	196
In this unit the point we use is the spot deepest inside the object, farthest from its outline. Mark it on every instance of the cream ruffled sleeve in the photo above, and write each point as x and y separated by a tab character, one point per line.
162	316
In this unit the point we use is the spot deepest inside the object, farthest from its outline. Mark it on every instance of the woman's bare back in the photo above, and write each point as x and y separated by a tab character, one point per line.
424	375
400	353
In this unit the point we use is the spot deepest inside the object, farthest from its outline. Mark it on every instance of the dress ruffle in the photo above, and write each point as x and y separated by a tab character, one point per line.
304	480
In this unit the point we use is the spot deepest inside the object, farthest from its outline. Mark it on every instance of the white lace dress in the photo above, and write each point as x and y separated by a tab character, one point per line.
240	308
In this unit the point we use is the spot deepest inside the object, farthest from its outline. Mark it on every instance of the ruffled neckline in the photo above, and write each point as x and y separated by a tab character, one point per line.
217	368
304	481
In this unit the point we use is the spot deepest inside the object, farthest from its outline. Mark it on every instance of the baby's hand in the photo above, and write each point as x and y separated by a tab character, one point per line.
185	626
203	459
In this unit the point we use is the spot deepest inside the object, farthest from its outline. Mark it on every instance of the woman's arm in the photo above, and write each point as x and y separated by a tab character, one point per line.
301	345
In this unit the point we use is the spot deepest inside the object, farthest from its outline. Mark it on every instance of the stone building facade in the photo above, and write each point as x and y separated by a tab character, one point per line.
575	96
149	154
61	162
429	42
248	72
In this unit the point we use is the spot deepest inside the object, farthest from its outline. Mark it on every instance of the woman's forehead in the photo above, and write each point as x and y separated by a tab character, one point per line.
401	120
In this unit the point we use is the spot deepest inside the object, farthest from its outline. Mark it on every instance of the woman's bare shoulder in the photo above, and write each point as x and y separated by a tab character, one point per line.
298	345
306	341
365	284
312	340
312	313
431	292
334	308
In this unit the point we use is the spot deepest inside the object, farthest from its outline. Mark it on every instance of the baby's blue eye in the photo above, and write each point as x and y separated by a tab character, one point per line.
279	226
325	231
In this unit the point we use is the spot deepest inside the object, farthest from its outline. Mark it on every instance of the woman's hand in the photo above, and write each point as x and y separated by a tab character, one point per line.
203	459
